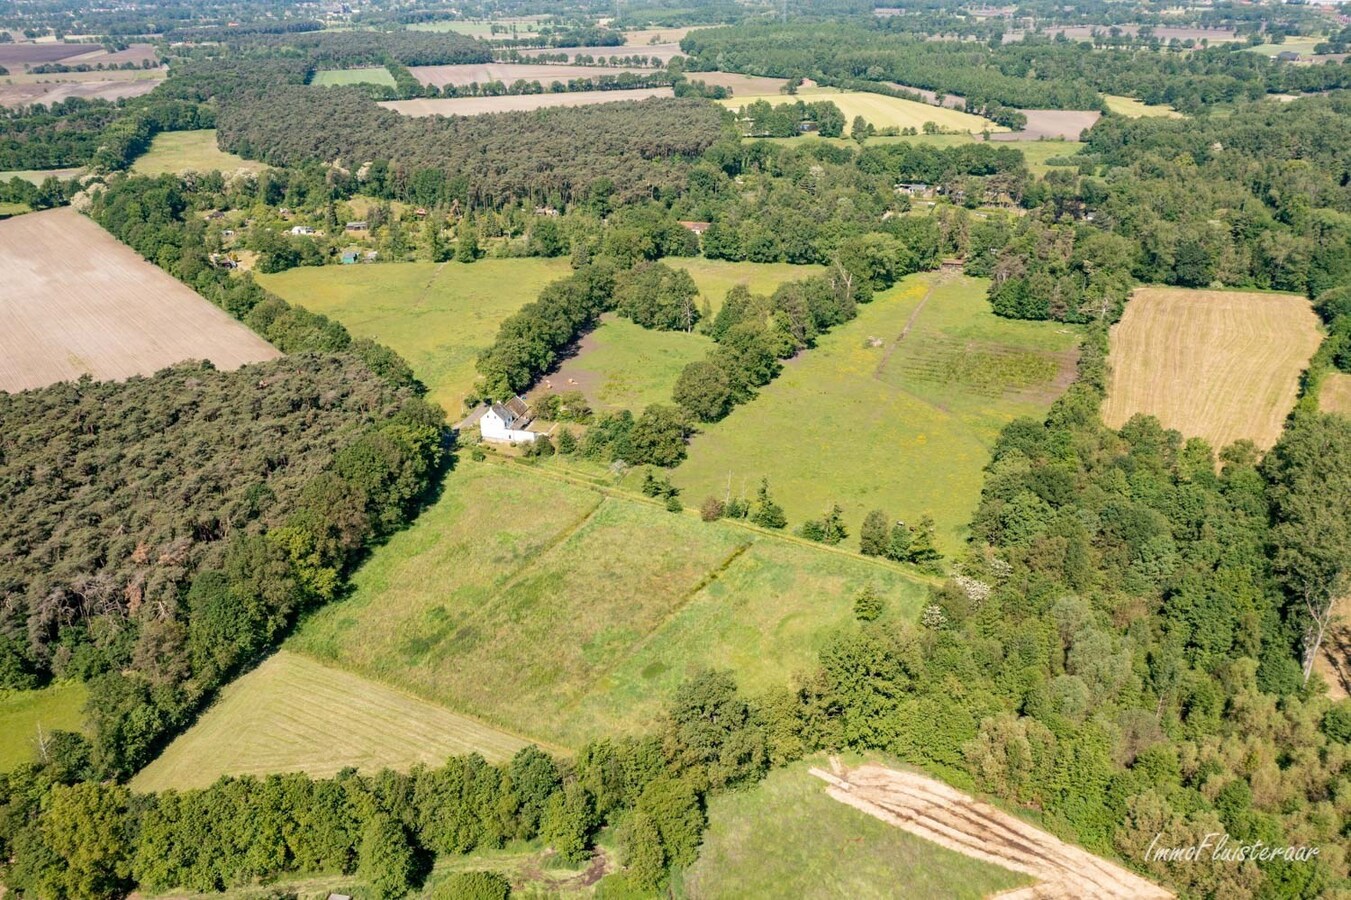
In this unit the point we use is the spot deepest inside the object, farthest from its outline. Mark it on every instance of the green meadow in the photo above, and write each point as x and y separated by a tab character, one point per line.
563	613
439	316
786	838
175	152
870	418
22	713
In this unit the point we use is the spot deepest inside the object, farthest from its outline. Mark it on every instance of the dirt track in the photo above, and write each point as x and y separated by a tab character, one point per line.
951	819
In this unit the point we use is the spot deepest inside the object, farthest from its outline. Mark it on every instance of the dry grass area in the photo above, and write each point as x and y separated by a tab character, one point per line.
648	36
101	86
292	714
74	300
507	73
663	52
1138	109
1335	394
878	109
1220	365
931	809
477	106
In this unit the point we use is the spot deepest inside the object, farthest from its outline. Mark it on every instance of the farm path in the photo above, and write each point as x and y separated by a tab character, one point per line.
909	324
755	529
934	811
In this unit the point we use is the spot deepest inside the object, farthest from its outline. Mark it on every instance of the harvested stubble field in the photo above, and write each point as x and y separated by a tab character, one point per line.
1219	365
565	614
508	73
879	110
896	410
663	52
292	714
786	839
75	301
477	106
1335	395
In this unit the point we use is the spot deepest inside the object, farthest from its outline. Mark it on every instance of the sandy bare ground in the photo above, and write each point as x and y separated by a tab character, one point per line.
934	811
475	106
1053	124
507	73
1220	365
662	52
74	300
109	87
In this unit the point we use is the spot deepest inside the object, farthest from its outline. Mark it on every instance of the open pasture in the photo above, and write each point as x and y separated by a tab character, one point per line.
1137	109
620	365
23	713
565	614
367	75
1220	365
176	152
476	106
787	839
880	110
292	714
1335	394
895	410
75	301
507	73
37	176
438	317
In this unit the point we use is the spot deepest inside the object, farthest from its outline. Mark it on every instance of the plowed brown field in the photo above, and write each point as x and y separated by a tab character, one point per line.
75	300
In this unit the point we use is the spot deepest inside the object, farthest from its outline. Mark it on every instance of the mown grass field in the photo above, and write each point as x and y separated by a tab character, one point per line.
621	365
175	152
37	176
1135	109
22	713
1035	152
785	838
1220	365
869	419
439	316
878	109
294	714
564	614
1335	394
364	75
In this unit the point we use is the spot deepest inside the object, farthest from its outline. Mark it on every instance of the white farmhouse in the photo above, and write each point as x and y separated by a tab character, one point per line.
507	422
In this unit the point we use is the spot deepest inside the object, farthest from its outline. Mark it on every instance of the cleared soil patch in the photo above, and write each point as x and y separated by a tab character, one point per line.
1218	365
1052	124
477	106
15	56
75	301
508	73
292	714
108	86
1335	394
934	811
